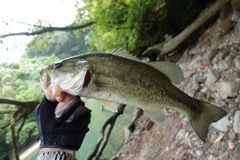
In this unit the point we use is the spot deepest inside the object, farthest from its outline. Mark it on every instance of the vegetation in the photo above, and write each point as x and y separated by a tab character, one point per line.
99	26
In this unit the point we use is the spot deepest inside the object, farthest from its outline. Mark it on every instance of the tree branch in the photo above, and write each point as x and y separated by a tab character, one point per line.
206	15
97	152
13	135
49	29
25	108
4	111
17	103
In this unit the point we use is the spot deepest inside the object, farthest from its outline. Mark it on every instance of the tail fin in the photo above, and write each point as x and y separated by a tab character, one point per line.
210	114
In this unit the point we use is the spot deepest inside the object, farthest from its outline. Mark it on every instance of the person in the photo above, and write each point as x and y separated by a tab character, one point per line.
62	126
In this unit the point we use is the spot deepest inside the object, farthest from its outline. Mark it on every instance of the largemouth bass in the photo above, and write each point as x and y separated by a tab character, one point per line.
114	79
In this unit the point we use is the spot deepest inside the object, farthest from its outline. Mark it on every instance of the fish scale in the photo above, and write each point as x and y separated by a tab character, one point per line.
116	79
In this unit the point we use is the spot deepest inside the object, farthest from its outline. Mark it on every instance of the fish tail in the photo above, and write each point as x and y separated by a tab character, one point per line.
210	114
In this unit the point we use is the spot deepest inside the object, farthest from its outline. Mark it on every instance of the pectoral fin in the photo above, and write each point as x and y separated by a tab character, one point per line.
89	101
112	106
157	116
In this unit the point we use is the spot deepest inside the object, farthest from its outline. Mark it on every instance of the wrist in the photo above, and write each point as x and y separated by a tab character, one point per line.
69	151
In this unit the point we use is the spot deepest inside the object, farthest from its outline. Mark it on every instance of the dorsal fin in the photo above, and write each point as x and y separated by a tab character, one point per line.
171	70
124	54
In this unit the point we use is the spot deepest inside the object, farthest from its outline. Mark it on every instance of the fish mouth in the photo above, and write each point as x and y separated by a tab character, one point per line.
87	79
51	90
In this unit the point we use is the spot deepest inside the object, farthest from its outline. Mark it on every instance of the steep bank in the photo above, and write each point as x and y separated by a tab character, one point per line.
211	69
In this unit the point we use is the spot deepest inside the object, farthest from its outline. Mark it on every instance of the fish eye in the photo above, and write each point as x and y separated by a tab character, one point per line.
57	65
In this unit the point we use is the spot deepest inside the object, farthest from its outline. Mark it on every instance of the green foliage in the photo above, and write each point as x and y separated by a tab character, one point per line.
134	25
30	93
98	118
121	24
29	130
60	44
20	80
4	149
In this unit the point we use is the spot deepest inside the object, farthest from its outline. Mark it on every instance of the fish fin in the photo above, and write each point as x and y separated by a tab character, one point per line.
88	101
171	70
210	114
124	54
157	116
112	106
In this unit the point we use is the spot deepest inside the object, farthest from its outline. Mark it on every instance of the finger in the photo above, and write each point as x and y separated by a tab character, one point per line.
61	97
79	111
66	99
69	109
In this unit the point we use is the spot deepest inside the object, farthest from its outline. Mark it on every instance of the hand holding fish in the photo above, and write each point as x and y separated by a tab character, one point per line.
69	107
68	128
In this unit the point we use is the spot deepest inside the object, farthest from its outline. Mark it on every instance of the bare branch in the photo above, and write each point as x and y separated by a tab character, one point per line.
4	111
17	103
13	134
97	152
206	15
21	126
49	29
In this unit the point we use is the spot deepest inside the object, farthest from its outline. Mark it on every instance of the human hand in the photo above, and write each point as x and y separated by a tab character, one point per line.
68	127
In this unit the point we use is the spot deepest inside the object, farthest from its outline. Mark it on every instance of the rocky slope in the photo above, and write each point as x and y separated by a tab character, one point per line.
211	70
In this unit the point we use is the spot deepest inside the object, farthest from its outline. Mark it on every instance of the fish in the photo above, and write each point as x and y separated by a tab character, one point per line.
119	78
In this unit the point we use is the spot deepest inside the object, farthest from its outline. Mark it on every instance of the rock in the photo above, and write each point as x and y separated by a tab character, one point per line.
222	65
237	62
229	60
214	61
195	86
200	79
218	98
180	134
201	96
223	155
199	153
222	124
227	89
232	76
233	105
236	122
211	157
212	54
232	136
215	40
204	90
212	77
238	99
234	52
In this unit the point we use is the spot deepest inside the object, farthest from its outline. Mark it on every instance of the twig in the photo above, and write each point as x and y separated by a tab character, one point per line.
48	29
13	134
97	152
